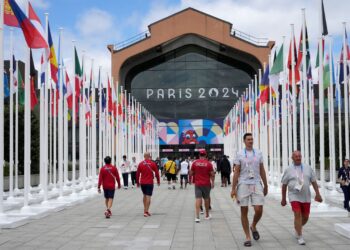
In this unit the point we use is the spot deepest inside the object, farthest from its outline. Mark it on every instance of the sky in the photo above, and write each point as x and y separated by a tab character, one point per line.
94	24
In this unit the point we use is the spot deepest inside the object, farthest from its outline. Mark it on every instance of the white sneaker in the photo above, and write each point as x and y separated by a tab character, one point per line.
209	217
197	220
301	240
202	212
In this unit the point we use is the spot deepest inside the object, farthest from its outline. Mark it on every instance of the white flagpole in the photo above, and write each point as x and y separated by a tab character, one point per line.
331	122
321	109
60	127
295	118
11	119
346	94
305	94
117	146
65	132
100	125
74	108
55	138
2	107
16	191
340	139
284	116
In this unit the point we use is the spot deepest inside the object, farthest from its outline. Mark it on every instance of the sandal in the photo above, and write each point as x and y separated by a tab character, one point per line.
247	243
256	235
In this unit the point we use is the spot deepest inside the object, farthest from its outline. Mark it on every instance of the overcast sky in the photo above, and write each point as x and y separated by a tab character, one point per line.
96	23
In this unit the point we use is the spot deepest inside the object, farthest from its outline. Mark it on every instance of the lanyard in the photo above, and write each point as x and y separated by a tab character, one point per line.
245	152
302	173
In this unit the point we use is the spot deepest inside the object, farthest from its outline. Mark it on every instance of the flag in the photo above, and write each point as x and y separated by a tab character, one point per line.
276	69
324	22
341	65
78	74
290	64
264	86
246	103
15	82
31	26
308	57
326	73
33	98
52	58
318	54
103	100
43	70
9	17
69	94
21	91
7	91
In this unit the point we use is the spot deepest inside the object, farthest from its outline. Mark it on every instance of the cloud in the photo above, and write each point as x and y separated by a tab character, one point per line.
94	22
41	4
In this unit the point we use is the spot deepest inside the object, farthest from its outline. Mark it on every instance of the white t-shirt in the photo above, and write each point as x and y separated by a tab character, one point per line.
214	165
133	166
124	166
184	167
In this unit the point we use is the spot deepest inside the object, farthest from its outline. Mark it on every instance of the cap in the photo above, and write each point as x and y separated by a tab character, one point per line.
202	152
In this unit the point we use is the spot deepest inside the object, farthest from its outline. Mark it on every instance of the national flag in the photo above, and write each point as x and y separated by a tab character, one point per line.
21	91
300	54
276	69
52	57
69	94
7	91
341	65
87	108
43	70
264	86
9	17
318	54
327	78
294	64
31	26
33	98
78	75
15	81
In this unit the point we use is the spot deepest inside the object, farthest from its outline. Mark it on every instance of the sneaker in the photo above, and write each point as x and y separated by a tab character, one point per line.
109	212
174	187
107	215
197	220
148	214
145	214
208	218
301	240
202	212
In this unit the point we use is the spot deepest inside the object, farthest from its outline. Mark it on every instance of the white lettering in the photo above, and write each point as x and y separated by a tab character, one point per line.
149	93
171	93
213	92
225	91
160	93
188	93
235	92
201	93
180	93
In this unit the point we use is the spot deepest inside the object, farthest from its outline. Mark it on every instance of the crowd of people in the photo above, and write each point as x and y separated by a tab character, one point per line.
249	183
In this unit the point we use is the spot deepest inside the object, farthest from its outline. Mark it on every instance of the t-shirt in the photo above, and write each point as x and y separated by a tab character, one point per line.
170	166
249	161
201	170
107	177
145	172
290	178
125	166
184	167
214	165
133	167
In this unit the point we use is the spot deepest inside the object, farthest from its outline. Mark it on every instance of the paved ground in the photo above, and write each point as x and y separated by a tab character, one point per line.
171	226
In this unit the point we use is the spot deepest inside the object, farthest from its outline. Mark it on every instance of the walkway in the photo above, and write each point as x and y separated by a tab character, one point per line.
171	226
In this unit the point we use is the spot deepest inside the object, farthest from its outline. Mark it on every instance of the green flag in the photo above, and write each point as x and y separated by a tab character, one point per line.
326	74
278	63
21	92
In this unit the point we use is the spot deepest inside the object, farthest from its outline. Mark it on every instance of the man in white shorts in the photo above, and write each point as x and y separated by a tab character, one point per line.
246	185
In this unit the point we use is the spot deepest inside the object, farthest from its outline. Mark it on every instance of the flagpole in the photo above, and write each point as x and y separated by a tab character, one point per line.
60	125
321	109
11	119
295	143
73	126
16	191
65	129
1	107
340	139
100	113
346	94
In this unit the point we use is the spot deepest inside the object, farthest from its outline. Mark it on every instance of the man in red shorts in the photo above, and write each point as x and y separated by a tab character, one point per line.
203	174
298	178
144	177
107	177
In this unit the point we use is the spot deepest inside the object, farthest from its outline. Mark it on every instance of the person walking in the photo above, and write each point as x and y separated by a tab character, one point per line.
107	177
170	171
184	169
133	170
202	173
225	167
125	169
146	171
344	179
249	171
297	178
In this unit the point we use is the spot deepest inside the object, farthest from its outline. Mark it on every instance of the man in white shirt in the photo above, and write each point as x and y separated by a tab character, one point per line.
133	170
184	167
125	169
298	178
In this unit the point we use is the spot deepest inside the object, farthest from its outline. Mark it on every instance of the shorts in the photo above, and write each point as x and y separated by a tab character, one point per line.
202	192
147	189
171	177
252	194
184	176
303	207
109	193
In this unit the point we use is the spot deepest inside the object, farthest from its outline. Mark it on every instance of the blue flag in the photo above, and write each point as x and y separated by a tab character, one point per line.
6	86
